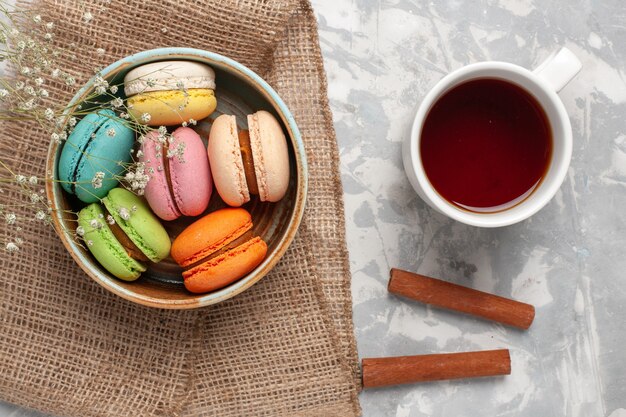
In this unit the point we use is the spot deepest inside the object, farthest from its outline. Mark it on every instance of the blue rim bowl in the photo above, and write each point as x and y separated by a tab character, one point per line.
277	223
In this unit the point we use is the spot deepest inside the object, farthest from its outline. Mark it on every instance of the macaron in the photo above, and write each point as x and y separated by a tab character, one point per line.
218	249
180	184
124	234
170	92
99	144
253	161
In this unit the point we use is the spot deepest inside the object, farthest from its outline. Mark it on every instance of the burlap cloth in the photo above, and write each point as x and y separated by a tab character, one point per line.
284	347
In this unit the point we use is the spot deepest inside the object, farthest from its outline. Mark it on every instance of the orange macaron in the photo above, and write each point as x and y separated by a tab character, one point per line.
218	249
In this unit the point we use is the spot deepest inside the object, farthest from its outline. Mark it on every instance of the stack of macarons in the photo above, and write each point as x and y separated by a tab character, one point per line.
126	232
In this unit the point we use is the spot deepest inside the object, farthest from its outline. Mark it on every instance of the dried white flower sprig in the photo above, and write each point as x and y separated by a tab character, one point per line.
31	70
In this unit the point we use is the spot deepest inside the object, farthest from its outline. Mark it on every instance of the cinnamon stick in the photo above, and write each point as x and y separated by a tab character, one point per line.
379	372
458	298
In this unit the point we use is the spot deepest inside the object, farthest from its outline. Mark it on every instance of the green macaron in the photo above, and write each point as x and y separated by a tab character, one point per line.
124	235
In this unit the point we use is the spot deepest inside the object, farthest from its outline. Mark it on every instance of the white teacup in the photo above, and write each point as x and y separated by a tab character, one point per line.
543	83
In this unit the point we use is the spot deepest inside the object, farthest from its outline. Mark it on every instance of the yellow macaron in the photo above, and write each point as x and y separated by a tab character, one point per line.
170	93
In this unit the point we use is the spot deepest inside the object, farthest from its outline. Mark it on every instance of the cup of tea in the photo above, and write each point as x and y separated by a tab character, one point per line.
491	142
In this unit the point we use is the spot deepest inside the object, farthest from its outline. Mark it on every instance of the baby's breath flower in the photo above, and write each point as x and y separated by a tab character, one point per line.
55	73
90	242
137	178
35	198
49	114
162	138
96	181
3	92
43	93
37	18
164	29
19	241
124	115
70	81
101	84
145	117
94	223
193	122
178	151
117	102
110	219
10	218
111	133
41	215
133	208
80	231
30	90
32	180
113	89
19	85
55	137
124	213
25	70
38	80
72	122
100	51
87	17
48	36
49	25
27	105
139	153
20	179
12	247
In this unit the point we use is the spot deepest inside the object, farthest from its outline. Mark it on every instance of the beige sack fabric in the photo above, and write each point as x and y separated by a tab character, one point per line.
284	347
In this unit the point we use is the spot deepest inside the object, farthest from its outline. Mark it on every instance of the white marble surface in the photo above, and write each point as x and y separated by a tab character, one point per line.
568	260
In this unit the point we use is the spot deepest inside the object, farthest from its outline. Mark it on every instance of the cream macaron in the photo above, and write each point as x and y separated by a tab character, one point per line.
253	161
170	93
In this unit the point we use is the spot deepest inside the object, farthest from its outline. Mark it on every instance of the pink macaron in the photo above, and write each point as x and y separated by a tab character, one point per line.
253	161
180	180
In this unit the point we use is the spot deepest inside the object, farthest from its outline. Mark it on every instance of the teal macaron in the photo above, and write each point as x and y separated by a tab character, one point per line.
123	235
99	143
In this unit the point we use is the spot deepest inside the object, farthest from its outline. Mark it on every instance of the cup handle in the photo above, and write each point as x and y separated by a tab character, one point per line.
559	69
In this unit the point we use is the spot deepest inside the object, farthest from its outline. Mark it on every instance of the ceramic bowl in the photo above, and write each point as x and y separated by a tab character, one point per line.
239	91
